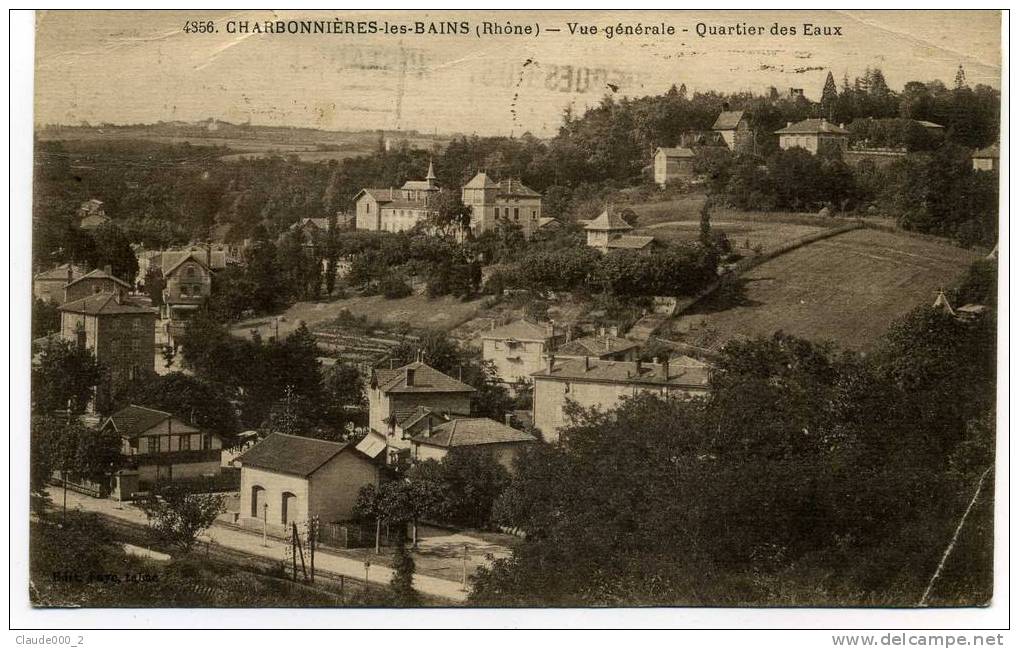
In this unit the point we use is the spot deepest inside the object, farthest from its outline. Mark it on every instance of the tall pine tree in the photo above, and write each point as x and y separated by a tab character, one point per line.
829	98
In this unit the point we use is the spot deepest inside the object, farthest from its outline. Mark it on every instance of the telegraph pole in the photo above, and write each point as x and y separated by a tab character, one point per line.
265	525
464	587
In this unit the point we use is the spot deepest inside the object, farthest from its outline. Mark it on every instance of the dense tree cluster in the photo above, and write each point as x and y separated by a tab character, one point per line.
805	476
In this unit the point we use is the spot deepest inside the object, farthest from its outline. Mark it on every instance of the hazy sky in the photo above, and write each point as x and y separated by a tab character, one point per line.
130	67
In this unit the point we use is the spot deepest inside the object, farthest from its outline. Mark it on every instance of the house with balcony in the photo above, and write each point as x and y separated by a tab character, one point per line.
518	349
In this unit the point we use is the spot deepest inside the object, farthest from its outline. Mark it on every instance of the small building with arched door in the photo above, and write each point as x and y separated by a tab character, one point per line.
290	479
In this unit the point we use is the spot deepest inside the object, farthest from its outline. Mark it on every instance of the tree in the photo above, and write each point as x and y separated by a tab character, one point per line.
451	216
829	98
177	515
45	318
65	378
154	284
462	488
401	586
344	385
113	249
197	400
53	446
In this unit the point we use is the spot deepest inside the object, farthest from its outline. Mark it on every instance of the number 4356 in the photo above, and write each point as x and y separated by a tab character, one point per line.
199	27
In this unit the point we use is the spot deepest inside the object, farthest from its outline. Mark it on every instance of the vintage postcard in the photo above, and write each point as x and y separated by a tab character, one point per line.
514	309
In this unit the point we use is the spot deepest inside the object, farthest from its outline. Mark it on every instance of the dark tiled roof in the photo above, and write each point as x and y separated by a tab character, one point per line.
394	199
426	379
184	256
683	372
521	330
988	152
480	181
100	274
728	120
290	454
472	432
104	304
512	187
608	221
812	127
135	420
630	242
59	273
676	152
595	346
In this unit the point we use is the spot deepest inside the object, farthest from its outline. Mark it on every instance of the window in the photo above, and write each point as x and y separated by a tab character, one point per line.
286	506
152	445
257	501
185	443
534	215
516	213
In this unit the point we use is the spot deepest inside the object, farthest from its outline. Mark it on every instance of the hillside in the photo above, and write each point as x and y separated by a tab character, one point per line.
847	289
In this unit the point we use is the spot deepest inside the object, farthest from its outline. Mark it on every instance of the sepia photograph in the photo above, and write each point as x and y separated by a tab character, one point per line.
532	309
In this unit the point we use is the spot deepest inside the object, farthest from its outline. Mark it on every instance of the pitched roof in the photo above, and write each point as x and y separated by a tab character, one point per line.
135	420
608	221
290	454
812	127
683	372
630	242
372	445
547	220
481	181
471	432
675	152
924	123
393	198
988	152
520	330
727	120
100	274
424	185
321	223
426	379
512	187
596	346
104	304
59	273
173	260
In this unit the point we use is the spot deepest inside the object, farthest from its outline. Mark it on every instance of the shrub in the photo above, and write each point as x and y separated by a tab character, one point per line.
394	287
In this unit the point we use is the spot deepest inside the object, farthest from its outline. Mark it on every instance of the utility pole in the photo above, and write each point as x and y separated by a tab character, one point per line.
464	587
367	564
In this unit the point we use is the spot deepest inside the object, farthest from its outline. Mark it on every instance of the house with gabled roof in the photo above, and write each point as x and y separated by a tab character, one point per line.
502	442
188	283
595	383
397	210
517	349
605	345
508	200
96	281
673	164
408	396
814	135
289	479
158	446
987	158
610	232
119	333
734	127
48	285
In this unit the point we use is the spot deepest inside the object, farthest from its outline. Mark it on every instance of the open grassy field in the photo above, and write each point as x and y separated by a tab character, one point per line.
742	234
419	311
847	289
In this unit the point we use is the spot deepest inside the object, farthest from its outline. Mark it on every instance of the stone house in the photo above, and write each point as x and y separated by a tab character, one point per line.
158	446
48	285
97	281
518	349
501	441
120	334
508	200
595	383
673	164
734	127
287	479
814	135
396	396
397	210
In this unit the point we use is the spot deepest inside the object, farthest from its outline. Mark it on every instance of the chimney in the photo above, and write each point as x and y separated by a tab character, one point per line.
608	347
638	367
208	255
587	363
614	331
428	429
508	418
70	273
108	269
409	375
550	328
601	331
842	124
665	366
788	124
551	363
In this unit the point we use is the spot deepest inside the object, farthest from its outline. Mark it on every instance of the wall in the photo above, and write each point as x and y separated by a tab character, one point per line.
550	397
504	454
275	484
334	487
367	213
400	219
667	169
127	342
529	354
91	286
49	290
380	405
189	280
